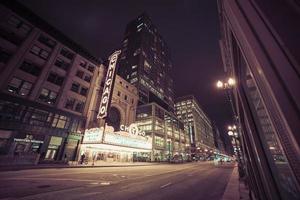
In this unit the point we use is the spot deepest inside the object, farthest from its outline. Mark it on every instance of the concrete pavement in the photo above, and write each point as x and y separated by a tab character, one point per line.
165	181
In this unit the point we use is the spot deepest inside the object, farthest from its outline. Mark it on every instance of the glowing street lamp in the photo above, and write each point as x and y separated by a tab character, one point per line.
231	81
230	133
220	84
226	84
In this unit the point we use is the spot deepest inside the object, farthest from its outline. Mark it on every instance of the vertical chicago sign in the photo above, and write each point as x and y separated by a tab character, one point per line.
108	86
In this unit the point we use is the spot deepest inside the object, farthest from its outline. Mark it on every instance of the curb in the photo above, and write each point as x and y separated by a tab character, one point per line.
232	188
19	168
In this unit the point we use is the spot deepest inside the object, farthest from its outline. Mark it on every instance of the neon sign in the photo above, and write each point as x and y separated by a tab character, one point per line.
132	129
108	86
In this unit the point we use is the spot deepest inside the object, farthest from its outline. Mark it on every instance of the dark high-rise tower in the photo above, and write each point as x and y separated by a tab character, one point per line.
145	62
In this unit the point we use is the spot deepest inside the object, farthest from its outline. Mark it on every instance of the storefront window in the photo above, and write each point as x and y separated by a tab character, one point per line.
26	145
53	148
272	145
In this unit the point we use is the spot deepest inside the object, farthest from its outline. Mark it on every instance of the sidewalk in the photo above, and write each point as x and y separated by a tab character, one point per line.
236	188
74	165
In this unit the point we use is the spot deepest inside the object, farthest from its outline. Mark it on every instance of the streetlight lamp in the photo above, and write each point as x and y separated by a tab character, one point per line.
229	84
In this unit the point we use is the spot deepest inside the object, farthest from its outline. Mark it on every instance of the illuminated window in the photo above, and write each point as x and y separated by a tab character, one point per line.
48	96
19	86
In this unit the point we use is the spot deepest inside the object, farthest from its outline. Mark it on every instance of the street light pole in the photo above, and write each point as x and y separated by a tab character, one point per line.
169	146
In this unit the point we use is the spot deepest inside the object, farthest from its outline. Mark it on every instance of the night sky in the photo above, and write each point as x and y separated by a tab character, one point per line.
190	28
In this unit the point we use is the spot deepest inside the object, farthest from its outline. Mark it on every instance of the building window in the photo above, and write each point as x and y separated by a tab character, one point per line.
75	87
4	56
147	67
87	78
70	103
60	121
133	74
83	64
39	52
79	74
62	64
125	97
48	96
46	41
66	53
135	79
55	79
19	86
30	68
19	24
79	106
119	93
83	91
91	68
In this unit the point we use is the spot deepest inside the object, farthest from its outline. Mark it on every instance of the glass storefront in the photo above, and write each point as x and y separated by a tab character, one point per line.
111	153
272	145
53	148
28	145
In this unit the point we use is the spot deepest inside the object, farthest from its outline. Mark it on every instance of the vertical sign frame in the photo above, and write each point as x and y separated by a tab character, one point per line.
108	86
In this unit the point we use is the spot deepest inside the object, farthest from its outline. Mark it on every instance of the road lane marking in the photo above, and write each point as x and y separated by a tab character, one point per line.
105	183
163	186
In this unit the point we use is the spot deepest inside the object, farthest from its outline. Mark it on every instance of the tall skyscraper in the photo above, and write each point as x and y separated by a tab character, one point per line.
145	62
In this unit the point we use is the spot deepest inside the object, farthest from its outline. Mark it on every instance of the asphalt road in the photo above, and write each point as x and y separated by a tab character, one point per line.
166	182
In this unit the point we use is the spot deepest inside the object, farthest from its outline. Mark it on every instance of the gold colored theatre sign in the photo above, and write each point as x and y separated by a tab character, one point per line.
128	136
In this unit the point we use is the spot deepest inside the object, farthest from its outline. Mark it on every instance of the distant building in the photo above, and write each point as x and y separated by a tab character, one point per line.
196	123
46	88
145	62
170	140
219	143
260	49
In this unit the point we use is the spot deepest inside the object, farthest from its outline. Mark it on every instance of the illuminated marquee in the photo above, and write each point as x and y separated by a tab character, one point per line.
108	86
129	137
93	135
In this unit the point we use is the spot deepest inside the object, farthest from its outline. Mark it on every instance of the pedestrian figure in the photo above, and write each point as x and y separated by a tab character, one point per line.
82	158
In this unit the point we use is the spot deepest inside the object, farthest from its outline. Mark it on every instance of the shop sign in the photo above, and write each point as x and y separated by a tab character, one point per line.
93	135
74	136
28	140
108	86
132	129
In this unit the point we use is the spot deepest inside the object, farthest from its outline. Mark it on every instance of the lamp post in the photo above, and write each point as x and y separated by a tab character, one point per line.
228	85
169	148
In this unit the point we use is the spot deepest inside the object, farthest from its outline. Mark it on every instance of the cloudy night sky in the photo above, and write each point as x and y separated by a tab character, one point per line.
190	28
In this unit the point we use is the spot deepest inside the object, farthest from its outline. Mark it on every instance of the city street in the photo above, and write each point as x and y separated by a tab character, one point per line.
165	181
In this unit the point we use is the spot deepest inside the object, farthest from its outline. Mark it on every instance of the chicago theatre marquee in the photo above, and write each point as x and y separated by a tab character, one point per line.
121	140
